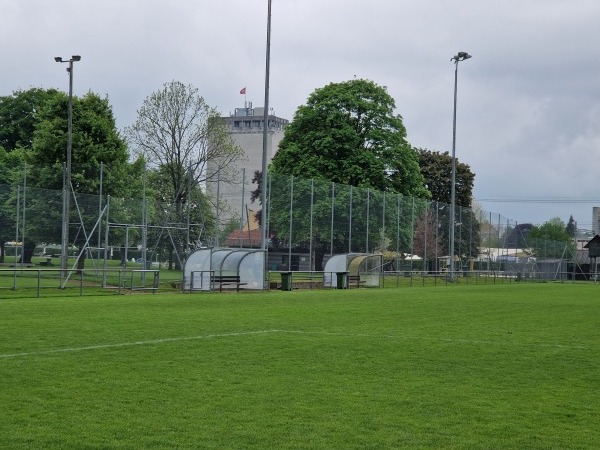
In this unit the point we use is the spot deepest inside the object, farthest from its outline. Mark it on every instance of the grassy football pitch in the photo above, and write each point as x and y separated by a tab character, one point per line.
511	366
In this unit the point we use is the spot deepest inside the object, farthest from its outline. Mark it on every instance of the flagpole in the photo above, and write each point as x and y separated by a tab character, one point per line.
243	91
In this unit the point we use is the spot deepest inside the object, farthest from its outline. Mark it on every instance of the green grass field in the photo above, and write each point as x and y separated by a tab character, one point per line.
509	366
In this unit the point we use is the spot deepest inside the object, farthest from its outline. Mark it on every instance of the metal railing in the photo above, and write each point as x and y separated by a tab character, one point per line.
36	281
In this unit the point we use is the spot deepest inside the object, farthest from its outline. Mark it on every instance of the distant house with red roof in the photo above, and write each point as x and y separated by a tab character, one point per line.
247	237
244	238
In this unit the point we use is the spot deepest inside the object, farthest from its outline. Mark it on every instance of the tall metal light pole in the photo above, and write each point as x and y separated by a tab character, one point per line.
461	56
67	177
263	196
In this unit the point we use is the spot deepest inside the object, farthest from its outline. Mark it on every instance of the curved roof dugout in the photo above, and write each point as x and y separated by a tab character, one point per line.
366	268
247	263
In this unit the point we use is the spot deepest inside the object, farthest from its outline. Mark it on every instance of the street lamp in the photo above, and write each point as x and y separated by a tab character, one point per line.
67	176
461	56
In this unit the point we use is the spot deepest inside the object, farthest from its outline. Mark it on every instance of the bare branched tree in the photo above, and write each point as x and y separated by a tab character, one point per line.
179	134
180	137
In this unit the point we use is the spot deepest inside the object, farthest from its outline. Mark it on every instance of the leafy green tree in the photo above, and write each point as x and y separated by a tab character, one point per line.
436	169
348	133
96	140
19	116
551	240
35	123
97	146
11	164
349	142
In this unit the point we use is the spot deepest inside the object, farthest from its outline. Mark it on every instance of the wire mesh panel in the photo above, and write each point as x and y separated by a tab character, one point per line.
307	221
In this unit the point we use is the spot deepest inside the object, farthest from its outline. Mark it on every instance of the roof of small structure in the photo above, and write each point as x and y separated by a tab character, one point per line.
244	238
593	243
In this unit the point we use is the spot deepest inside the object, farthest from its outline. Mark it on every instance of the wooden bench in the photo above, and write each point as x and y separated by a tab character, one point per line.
354	280
226	280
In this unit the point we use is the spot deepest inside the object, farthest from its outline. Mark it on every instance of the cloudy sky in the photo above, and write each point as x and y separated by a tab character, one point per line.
528	101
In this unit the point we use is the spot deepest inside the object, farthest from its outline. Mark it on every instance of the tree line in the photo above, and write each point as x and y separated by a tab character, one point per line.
347	133
163	155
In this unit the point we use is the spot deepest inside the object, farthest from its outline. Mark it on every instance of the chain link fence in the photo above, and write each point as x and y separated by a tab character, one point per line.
307	221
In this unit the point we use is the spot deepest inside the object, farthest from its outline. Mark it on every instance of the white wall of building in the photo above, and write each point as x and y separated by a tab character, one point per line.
246	128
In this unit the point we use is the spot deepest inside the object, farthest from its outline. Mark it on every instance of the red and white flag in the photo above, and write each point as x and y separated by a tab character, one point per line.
243	91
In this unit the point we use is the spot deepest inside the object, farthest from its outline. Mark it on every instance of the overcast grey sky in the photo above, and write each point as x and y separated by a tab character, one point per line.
528	101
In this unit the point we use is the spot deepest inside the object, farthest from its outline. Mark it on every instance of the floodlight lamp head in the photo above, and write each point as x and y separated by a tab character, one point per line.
58	59
461	56
78	58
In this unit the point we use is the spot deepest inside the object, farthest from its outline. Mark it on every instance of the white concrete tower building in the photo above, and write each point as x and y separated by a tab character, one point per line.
246	128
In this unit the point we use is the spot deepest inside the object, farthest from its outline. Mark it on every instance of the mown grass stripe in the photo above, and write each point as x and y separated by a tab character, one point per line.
246	333
132	344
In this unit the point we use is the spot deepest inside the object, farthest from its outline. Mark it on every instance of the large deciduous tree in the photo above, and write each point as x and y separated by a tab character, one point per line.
99	155
179	135
349	140
178	132
348	133
34	123
96	140
19	116
436	168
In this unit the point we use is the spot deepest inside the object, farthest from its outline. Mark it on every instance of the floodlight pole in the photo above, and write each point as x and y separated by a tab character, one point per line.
67	178
461	56
263	196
